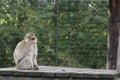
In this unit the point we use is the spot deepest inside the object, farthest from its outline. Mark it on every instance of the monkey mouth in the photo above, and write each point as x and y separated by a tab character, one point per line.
33	38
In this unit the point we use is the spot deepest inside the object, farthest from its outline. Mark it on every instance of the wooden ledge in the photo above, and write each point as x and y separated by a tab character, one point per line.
60	72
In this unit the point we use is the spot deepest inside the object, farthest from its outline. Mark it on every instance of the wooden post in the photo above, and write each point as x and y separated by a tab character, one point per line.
114	20
118	56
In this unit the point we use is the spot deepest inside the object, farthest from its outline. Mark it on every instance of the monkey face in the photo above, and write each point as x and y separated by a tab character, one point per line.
30	37
33	39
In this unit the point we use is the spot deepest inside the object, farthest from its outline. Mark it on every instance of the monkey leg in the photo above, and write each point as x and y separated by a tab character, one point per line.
35	65
25	64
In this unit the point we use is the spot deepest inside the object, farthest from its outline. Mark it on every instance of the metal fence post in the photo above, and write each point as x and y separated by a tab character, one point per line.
56	31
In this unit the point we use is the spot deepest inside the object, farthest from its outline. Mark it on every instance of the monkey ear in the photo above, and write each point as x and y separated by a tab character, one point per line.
24	37
26	40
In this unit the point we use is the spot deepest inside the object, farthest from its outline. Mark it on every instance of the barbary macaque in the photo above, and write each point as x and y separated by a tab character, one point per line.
25	53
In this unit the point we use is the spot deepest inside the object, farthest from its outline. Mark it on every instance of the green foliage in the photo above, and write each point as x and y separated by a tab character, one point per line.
82	31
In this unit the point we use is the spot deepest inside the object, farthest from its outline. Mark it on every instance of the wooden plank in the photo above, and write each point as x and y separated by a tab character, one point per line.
61	72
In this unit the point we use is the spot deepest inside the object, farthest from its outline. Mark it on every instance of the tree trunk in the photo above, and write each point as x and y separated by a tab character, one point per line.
114	24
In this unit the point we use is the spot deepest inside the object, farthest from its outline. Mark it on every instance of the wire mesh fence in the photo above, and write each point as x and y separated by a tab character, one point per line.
70	32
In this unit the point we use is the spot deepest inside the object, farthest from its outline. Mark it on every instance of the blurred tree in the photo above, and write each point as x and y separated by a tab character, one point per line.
82	31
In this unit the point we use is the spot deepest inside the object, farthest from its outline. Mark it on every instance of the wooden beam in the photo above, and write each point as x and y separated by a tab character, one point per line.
58	73
113	34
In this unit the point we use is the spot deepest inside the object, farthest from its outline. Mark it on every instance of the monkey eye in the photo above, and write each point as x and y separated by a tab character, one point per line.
31	34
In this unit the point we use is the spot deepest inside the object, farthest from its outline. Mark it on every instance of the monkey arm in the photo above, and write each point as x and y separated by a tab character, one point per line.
35	54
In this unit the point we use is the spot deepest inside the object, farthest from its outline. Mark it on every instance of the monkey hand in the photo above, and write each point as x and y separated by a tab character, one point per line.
36	67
